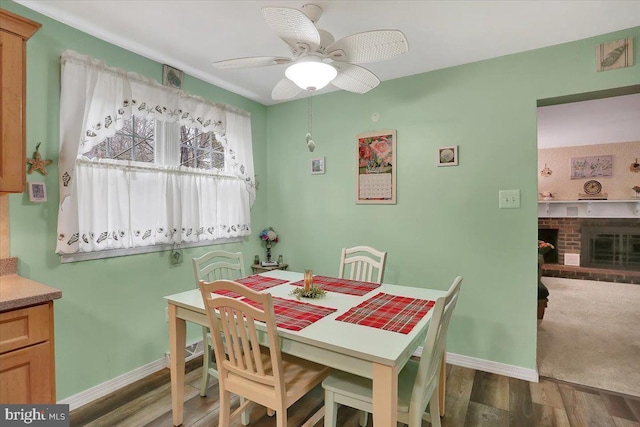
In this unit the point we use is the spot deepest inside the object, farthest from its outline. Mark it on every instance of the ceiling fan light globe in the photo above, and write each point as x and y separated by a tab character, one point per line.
311	74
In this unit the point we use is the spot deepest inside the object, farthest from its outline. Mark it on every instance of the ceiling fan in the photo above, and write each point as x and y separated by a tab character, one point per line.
317	59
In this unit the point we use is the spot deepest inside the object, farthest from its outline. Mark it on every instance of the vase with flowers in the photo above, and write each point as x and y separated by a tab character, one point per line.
269	237
544	247
636	189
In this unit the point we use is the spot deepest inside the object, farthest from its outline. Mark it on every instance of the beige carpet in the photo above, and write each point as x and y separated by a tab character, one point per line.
590	334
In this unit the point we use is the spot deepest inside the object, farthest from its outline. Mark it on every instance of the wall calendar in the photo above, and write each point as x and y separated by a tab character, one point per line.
376	178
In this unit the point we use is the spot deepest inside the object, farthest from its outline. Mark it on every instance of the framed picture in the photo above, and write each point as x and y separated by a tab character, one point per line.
172	77
317	166
589	167
616	54
448	156
377	169
37	192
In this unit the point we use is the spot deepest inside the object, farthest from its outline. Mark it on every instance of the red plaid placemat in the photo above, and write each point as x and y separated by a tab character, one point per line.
388	312
294	315
343	286
256	282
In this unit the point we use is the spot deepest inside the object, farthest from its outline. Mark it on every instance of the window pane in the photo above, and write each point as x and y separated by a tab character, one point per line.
119	147
135	141
144	151
200	150
187	156
98	152
218	160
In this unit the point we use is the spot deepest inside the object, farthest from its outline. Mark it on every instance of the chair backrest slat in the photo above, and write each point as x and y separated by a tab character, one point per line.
217	265
362	263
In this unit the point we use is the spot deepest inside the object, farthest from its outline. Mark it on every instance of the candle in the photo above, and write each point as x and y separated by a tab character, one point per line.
308	280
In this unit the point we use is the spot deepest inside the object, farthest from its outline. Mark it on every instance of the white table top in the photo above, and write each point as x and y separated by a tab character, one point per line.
363	342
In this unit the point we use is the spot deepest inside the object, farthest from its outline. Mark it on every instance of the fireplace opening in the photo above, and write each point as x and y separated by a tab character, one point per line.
611	247
550	235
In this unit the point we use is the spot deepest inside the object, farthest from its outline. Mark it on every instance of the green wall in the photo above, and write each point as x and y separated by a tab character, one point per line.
110	319
446	221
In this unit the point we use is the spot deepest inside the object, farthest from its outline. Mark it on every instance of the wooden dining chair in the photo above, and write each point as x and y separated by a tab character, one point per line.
212	266
362	263
259	374
418	382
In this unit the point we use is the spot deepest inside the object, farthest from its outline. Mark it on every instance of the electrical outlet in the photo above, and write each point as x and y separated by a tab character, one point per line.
509	199
175	256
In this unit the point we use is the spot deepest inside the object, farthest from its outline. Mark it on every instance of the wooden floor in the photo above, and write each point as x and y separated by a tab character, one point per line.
474	399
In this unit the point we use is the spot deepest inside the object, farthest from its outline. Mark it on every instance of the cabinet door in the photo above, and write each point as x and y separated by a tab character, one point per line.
12	111
26	375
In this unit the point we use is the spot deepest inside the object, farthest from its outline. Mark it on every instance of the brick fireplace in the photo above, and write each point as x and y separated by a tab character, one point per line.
570	241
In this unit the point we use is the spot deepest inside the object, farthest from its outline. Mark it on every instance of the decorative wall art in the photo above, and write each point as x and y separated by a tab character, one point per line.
616	54
635	166
546	172
376	178
37	192
317	166
588	167
172	77
448	156
36	163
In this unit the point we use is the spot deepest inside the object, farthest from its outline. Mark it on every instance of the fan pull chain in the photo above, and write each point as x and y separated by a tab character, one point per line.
310	144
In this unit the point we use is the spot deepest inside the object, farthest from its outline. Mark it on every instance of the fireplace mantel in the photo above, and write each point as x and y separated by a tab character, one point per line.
589	209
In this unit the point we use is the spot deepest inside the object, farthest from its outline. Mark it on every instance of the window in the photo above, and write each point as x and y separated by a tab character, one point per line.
147	166
135	141
200	150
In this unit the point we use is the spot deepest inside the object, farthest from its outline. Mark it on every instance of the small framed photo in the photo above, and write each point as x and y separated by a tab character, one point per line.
317	166
37	192
448	156
172	77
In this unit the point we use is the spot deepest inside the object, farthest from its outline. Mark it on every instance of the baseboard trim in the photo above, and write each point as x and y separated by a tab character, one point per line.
101	390
489	366
195	349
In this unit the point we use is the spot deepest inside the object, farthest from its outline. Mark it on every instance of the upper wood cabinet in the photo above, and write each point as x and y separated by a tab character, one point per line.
14	33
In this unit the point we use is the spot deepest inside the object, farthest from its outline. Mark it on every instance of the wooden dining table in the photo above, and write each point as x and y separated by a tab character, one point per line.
367	351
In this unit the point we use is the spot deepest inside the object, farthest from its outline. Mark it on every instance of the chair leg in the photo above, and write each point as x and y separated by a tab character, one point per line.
330	409
244	416
434	409
225	408
206	362
281	417
363	418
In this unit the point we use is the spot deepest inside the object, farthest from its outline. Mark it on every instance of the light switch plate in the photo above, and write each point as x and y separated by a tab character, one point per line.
509	199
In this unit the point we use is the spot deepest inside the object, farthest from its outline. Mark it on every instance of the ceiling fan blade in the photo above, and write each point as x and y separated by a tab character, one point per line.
252	61
285	89
369	46
353	78
293	26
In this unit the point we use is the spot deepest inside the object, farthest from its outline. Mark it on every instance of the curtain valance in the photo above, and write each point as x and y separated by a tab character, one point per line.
96	100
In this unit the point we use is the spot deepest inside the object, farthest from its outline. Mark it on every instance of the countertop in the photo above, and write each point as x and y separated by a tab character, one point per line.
17	292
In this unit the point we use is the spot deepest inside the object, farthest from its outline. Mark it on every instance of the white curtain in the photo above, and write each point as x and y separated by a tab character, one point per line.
107	204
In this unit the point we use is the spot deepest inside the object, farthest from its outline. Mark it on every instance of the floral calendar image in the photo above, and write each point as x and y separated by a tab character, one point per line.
376	179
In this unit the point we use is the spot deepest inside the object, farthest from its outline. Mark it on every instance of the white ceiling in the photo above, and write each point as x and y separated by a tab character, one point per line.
190	34
600	121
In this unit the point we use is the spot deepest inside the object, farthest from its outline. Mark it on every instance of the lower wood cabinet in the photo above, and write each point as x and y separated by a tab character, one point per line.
27	368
